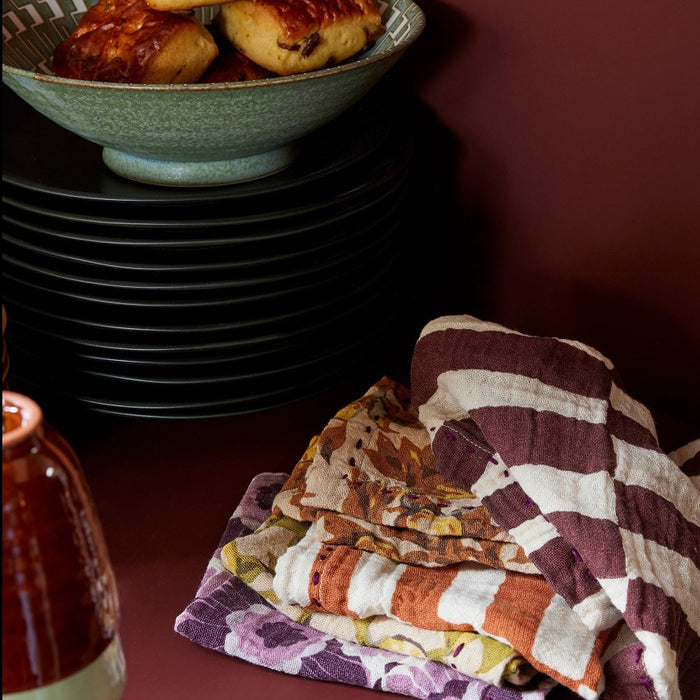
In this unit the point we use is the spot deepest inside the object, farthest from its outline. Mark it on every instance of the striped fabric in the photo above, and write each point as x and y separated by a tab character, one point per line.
253	560
229	617
520	610
541	430
373	463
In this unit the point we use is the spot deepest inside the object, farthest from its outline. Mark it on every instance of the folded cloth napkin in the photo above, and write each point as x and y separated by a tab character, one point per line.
229	617
517	609
369	481
253	559
370	461
541	430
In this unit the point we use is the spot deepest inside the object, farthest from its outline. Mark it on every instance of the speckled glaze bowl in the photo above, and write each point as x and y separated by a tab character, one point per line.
195	134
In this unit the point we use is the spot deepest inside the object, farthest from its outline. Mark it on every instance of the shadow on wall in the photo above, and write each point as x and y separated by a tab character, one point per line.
445	233
476	222
445	254
446	30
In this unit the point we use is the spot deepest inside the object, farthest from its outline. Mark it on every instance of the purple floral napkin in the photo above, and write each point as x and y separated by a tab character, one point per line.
231	618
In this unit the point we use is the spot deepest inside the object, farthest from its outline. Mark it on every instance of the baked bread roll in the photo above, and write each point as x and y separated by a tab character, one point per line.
126	41
232	66
297	36
179	5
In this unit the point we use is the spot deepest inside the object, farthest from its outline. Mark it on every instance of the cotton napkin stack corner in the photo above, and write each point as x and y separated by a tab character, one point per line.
230	617
396	555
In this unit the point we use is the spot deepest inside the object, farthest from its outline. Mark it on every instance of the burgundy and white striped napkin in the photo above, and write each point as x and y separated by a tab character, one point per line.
542	431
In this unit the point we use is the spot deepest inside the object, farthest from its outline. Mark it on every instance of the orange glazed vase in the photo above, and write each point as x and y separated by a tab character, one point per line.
60	609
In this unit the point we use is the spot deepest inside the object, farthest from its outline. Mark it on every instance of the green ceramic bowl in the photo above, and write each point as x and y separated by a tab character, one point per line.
194	134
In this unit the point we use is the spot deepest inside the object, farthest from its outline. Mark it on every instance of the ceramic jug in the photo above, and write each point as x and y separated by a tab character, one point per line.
60	609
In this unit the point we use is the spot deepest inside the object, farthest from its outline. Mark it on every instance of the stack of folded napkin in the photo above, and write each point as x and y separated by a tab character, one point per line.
507	526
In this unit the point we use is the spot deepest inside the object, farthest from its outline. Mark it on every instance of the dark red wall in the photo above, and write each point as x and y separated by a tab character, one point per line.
564	138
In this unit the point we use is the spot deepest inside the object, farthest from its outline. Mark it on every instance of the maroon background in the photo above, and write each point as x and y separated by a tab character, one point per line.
572	132
557	191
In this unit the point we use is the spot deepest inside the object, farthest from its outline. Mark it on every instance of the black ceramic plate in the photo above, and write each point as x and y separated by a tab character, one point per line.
328	237
198	289
194	265
265	398
320	202
51	162
187	309
185	359
117	397
148	246
207	375
197	333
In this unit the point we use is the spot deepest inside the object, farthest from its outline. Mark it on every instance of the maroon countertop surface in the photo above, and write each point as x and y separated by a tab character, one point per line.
164	492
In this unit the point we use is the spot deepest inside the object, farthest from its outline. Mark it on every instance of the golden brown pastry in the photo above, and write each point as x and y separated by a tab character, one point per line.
179	5
296	36
232	66
126	41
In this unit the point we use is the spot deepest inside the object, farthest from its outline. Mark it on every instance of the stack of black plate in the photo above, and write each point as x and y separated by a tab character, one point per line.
145	301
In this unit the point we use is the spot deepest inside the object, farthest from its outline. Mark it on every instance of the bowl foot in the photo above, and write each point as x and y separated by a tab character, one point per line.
198	173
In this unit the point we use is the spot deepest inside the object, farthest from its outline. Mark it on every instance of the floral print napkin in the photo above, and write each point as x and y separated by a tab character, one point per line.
231	618
253	559
372	462
370	478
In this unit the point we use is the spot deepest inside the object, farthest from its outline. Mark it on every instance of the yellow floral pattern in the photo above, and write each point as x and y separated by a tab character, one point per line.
370	480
